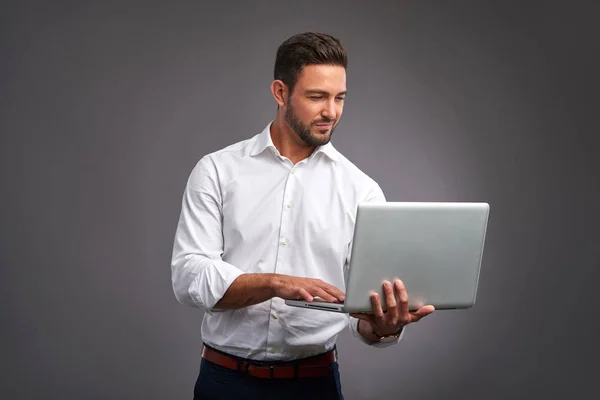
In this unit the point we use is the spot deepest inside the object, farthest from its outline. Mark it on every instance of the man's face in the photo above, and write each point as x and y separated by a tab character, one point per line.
315	106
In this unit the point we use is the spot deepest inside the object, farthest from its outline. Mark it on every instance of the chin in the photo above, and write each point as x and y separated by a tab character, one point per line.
321	140
321	136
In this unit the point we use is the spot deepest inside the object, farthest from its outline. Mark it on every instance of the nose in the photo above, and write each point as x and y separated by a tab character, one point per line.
329	110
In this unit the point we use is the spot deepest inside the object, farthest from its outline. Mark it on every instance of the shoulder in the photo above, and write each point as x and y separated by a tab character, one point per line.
365	186
231	152
213	164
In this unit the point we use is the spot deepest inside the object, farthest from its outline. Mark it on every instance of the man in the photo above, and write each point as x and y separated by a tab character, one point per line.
271	218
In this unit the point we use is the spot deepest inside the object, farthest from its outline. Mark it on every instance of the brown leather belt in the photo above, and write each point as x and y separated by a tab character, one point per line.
313	367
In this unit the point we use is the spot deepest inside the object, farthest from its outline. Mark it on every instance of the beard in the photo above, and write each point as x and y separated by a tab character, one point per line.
304	131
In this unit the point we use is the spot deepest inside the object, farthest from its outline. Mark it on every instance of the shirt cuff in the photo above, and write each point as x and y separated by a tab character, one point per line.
211	283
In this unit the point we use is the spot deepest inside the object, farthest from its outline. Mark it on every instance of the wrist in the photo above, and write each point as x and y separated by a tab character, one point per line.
271	284
370	333
384	334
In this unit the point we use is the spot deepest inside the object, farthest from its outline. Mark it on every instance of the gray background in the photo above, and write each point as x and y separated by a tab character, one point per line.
105	108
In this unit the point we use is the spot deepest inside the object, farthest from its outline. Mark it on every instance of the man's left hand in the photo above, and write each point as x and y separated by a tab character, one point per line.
397	314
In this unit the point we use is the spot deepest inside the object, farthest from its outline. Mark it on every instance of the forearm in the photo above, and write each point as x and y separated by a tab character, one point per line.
247	290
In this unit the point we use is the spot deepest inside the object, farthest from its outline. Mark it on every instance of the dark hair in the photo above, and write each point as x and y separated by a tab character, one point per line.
307	48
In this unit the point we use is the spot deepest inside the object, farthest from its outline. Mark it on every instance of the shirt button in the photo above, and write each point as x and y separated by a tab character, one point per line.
275	315
289	205
272	349
293	171
284	242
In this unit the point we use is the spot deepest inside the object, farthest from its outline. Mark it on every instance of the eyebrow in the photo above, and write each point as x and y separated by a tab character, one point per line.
316	91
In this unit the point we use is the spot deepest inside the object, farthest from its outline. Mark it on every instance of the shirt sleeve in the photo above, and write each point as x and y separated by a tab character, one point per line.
374	195
199	276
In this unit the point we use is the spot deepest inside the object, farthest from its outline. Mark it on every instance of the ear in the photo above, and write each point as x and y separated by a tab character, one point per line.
279	91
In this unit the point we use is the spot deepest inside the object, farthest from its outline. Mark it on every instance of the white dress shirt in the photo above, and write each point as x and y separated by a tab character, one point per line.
247	209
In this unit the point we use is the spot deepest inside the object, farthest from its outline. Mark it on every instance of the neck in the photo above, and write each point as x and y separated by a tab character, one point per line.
287	141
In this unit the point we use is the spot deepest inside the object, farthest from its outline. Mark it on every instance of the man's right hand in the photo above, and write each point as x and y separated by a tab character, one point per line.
296	288
250	289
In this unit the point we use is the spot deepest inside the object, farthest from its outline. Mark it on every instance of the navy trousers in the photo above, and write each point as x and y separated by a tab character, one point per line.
215	383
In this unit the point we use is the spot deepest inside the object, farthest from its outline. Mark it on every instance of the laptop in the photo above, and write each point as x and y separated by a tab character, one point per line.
435	248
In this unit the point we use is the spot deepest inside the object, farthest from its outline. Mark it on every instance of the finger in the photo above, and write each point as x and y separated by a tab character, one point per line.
376	305
422	312
390	300
304	295
335	292
404	314
330	289
324	295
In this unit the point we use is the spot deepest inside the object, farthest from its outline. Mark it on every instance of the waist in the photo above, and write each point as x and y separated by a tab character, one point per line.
310	367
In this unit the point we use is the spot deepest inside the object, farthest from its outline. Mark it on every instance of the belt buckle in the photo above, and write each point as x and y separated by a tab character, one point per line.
251	366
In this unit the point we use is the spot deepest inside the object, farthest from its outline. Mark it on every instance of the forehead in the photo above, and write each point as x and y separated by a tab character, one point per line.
330	78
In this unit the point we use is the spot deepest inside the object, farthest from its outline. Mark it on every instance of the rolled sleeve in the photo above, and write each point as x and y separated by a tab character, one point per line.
199	276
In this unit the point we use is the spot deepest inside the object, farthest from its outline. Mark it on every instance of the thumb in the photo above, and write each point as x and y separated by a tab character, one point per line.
423	312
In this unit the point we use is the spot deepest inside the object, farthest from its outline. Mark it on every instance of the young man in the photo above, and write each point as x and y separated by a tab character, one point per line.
271	218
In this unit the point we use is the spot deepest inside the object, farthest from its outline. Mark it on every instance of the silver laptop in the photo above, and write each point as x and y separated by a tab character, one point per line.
435	248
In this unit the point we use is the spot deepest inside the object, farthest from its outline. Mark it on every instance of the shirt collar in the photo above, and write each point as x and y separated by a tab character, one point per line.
264	142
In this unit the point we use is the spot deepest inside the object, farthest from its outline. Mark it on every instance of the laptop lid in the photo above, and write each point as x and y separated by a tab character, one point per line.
435	248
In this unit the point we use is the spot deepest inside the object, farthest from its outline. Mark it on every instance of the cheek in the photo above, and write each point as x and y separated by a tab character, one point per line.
305	111
310	114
